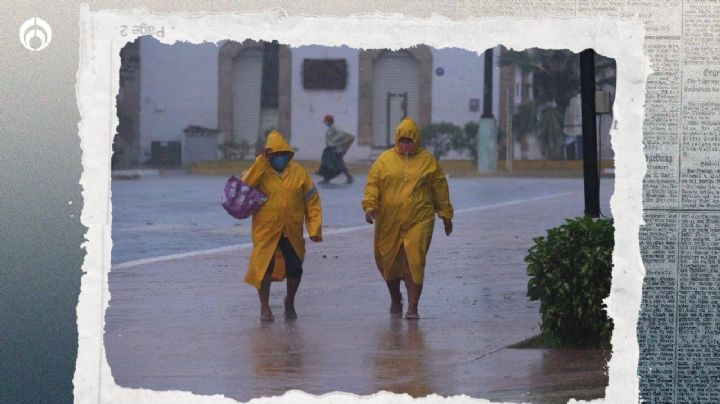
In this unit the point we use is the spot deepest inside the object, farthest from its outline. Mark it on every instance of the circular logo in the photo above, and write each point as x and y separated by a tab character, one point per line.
35	34
439	71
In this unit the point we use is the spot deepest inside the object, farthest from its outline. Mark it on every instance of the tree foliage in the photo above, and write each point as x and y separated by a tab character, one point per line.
440	138
556	80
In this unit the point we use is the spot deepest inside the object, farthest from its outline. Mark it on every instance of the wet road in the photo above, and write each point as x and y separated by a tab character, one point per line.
191	324
159	216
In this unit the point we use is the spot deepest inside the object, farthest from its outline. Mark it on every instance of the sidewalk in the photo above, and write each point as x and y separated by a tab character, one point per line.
191	324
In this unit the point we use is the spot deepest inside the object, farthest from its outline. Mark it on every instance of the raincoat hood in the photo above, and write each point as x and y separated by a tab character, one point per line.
276	142
408	128
292	200
405	194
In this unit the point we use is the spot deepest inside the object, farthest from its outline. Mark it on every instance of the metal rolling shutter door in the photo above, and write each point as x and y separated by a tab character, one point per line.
395	72
247	81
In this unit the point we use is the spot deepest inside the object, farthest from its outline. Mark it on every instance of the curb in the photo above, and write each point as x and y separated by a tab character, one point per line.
133	174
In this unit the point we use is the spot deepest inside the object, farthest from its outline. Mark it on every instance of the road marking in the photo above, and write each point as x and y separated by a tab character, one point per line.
513	202
182	255
343	230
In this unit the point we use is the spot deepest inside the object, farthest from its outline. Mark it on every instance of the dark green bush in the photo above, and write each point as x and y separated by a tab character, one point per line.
466	141
570	272
438	137
442	137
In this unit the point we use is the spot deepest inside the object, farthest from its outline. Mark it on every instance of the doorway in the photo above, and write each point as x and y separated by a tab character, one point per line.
396	94
246	94
253	95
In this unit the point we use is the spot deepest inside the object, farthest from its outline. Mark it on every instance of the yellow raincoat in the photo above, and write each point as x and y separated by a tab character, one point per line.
292	199
405	192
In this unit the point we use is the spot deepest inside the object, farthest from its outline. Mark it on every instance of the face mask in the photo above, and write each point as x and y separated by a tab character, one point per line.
405	148
279	162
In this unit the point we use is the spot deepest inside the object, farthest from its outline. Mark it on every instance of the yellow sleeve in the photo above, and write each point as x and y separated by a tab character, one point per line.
253	174
372	189
441	193
313	208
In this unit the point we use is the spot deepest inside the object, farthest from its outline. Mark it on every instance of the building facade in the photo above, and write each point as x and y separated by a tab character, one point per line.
243	90
192	98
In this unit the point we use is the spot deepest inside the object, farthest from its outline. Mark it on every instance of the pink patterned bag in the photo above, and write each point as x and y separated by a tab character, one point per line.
241	200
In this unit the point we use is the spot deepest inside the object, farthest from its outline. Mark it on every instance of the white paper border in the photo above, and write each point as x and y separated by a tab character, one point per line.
97	85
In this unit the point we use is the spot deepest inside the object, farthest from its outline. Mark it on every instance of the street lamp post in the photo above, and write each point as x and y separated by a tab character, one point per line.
487	132
589	134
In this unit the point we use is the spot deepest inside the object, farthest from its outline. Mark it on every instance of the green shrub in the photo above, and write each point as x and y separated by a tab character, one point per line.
438	137
442	137
570	272
466	141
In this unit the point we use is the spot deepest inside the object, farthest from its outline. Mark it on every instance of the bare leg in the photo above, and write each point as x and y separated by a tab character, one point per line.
396	302
413	289
292	287
264	294
396	299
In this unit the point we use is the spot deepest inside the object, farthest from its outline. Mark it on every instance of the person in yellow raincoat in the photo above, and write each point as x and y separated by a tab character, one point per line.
278	224
406	188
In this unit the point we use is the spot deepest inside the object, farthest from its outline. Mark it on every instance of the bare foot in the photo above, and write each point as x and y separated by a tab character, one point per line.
266	315
396	307
412	316
290	313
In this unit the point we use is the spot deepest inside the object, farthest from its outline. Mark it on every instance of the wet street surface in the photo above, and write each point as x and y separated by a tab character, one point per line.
191	324
158	216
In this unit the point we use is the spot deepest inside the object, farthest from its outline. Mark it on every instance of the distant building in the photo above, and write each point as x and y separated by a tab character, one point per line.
189	99
246	89
517	88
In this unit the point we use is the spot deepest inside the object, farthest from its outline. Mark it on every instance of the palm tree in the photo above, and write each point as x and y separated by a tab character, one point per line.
524	124
556	80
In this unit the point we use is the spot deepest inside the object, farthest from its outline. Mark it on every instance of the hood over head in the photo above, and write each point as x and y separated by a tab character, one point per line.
277	143
408	128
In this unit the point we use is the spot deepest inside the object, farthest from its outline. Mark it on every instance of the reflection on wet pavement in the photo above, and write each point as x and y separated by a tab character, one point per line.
543	375
191	324
400	359
277	352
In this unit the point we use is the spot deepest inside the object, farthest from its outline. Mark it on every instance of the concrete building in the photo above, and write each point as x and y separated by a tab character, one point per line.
192	99
246	89
517	88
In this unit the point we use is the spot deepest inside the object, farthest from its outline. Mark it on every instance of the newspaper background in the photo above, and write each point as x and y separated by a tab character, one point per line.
676	330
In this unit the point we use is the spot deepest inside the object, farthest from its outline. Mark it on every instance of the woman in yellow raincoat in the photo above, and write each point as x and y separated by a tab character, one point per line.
406	187
278	224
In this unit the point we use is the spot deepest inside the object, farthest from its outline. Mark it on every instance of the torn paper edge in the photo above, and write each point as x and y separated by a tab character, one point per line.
98	83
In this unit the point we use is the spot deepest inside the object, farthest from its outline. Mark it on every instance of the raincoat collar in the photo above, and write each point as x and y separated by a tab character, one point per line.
276	142
408	128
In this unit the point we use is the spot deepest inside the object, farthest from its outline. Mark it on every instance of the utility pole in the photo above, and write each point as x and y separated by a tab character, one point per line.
509	144
589	134
487	132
